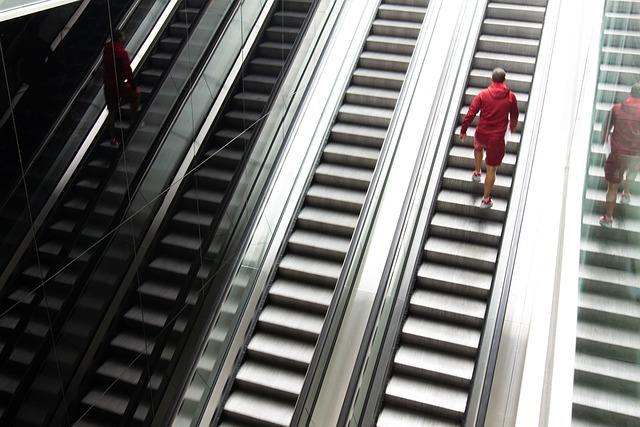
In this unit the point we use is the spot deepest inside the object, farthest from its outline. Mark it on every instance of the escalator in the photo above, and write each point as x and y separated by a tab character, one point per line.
434	346
41	291
60	76
134	364
268	381
607	373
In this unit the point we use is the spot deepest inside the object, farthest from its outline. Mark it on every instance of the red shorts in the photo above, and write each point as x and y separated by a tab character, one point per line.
495	151
617	164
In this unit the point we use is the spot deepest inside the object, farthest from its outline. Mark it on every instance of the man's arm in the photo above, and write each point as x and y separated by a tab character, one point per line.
471	114
606	127
514	113
125	66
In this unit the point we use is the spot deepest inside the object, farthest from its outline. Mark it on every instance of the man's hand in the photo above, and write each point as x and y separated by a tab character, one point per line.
463	137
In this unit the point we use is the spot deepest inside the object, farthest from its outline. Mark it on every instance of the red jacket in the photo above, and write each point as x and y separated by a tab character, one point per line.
497	104
625	120
117	68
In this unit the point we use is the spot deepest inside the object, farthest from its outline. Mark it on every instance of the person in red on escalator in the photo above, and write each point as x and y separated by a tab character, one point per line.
498	108
119	86
624	120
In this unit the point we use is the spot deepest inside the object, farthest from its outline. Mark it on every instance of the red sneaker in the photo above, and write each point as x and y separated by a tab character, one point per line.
115	142
486	203
606	221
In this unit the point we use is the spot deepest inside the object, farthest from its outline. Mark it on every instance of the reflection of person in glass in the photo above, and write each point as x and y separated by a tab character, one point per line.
624	120
119	86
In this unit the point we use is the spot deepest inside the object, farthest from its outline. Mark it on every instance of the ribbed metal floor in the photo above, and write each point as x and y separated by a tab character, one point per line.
135	362
607	366
433	367
278	353
32	317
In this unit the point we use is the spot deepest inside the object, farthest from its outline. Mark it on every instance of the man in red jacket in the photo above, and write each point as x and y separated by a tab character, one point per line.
624	119
498	108
118	82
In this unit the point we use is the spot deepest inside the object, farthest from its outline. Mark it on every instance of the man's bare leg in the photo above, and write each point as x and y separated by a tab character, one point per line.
612	194
631	177
489	180
477	156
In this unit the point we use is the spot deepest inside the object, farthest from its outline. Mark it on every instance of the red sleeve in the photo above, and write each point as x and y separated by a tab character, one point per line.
471	114
607	125
515	113
125	66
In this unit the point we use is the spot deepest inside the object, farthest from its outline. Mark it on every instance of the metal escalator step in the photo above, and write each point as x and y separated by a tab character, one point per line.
335	198
166	291
318	245
358	135
310	270
434	365
512	63
519	12
458	339
448	307
512	28
343	176
610	309
302	295
606	406
391	416
426	396
461	254
519	83
327	221
457	179
181	242
365	115
608	341
609	281
451	279
396	28
378	78
250	409
273	381
147	316
289	322
364	157
508	45
613	254
390	44
281	350
606	373
466	229
170	267
367	96
133	343
469	204
401	12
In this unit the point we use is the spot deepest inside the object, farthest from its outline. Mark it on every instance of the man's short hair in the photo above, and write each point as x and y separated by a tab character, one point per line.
635	90
118	35
498	75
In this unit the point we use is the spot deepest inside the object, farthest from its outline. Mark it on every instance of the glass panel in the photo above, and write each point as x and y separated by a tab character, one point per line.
607	346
